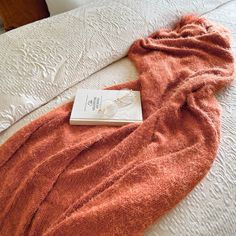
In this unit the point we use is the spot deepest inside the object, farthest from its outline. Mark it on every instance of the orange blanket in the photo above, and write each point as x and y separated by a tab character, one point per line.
57	179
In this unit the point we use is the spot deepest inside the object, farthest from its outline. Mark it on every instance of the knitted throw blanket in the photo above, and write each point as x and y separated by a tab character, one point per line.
57	179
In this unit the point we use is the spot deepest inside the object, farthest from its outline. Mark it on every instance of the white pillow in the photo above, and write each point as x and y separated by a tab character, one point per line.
59	6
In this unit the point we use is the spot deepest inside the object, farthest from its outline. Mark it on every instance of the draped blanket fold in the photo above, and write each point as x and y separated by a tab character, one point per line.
57	179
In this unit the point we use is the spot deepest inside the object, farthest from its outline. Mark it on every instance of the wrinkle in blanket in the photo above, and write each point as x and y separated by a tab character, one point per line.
57	179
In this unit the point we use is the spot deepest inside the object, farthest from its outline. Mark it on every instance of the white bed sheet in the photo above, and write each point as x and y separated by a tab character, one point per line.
210	209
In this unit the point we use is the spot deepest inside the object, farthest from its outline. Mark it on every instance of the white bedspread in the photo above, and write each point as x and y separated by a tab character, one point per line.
41	60
210	209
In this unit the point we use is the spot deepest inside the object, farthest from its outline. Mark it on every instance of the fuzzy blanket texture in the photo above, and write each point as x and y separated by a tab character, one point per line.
57	179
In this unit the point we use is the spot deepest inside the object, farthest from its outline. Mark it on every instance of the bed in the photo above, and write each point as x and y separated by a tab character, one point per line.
210	209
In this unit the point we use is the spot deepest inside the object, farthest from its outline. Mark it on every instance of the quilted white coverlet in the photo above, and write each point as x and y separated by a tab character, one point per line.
210	209
40	60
